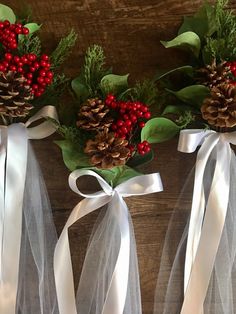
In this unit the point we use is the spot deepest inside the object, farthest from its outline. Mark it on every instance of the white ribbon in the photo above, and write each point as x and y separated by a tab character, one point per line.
207	216
13	163
116	295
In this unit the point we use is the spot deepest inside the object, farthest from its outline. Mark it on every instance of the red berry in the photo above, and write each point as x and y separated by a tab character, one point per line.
45	57
141	124
16	59
42	73
2	68
43	63
29	75
6	23
12	68
25	31
8	56
47	80
147	115
40	80
128	123
18	30
119	123
35	86
50	75
32	69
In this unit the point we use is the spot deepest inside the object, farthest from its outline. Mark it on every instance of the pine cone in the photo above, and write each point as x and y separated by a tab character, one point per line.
107	151
215	74
14	95
220	108
93	115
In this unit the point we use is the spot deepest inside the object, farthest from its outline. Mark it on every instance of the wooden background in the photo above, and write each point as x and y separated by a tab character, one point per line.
130	32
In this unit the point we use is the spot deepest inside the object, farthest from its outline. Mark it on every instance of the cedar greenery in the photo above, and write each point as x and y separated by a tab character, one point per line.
222	44
30	44
94	68
146	92
63	50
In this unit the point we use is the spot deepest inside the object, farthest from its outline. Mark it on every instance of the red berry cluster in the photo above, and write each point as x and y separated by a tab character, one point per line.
131	118
35	70
9	34
143	148
232	66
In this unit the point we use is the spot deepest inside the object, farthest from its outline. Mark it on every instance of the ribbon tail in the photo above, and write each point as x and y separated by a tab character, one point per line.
3	145
16	163
211	233
198	205
63	271
117	291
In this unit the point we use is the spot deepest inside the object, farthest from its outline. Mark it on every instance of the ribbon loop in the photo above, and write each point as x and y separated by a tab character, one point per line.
116	294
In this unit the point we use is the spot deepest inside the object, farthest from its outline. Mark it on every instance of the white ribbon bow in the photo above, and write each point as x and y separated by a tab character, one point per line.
116	295
207	216
13	163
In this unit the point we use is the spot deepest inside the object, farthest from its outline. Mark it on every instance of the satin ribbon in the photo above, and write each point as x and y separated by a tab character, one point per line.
116	295
13	164
207	217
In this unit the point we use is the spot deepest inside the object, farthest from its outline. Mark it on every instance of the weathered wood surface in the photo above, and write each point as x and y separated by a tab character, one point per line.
130	32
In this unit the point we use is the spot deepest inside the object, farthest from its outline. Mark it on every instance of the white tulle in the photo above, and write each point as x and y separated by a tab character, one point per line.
99	265
221	296
36	288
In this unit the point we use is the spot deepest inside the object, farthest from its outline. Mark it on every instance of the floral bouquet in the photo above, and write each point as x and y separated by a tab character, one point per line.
29	79
104	139
201	258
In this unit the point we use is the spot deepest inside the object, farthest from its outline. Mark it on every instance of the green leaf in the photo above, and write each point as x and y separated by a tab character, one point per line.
159	130
172	109
72	157
7	13
115	84
117	175
32	27
80	89
187	69
193	95
203	23
180	109
187	40
138	160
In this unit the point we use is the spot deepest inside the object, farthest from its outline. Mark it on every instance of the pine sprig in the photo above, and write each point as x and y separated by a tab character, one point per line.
145	92
30	44
63	50
94	68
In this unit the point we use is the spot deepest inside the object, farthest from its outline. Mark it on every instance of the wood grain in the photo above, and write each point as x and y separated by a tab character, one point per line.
130	32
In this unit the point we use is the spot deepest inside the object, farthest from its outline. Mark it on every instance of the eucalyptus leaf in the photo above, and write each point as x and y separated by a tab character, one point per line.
72	157
203	23
117	175
172	109
177	109
7	13
193	95
113	83
80	89
33	27
159	130
187	40
186	69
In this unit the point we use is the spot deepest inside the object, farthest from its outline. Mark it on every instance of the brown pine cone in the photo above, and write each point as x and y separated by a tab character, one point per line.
220	108
107	151
14	95
93	115
214	74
